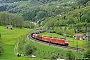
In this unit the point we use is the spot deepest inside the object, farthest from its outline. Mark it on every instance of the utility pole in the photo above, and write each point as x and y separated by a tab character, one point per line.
65	32
0	35
87	36
73	42
49	34
87	39
77	38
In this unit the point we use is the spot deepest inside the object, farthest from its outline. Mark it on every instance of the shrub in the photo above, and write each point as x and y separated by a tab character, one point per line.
70	55
1	50
29	48
87	54
70	32
52	31
59	30
54	56
1	47
21	42
0	35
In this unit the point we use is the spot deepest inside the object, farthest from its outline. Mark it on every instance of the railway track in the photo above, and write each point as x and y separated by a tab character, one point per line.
55	45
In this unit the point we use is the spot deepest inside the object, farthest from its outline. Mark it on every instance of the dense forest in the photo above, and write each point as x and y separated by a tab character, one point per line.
11	1
15	20
53	14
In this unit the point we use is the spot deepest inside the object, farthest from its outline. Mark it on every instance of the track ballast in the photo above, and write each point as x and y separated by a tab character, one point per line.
55	45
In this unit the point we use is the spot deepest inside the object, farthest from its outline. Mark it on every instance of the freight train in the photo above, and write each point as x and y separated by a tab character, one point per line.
61	41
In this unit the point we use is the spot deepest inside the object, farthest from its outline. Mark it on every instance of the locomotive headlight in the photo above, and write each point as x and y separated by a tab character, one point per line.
66	41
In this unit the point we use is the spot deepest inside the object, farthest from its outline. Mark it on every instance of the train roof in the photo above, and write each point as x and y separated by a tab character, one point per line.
47	36
59	38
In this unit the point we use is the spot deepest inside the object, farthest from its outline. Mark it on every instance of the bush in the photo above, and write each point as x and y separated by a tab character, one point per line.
1	47
21	42
0	35
54	57
29	48
70	55
59	30
1	50
87	54
52	31
70	32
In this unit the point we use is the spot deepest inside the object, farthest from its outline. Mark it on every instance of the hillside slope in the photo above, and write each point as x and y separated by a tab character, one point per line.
50	8
37	10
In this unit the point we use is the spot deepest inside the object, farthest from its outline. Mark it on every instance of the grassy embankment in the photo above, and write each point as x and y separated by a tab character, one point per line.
46	51
10	38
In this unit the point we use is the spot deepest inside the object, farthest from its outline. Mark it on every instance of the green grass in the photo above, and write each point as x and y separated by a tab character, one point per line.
46	51
10	38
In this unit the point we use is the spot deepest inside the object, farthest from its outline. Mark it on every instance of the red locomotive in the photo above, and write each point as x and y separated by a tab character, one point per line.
50	39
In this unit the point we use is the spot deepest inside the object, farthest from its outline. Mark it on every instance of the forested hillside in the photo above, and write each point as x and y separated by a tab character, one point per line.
75	19
43	10
39	9
15	20
11	1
